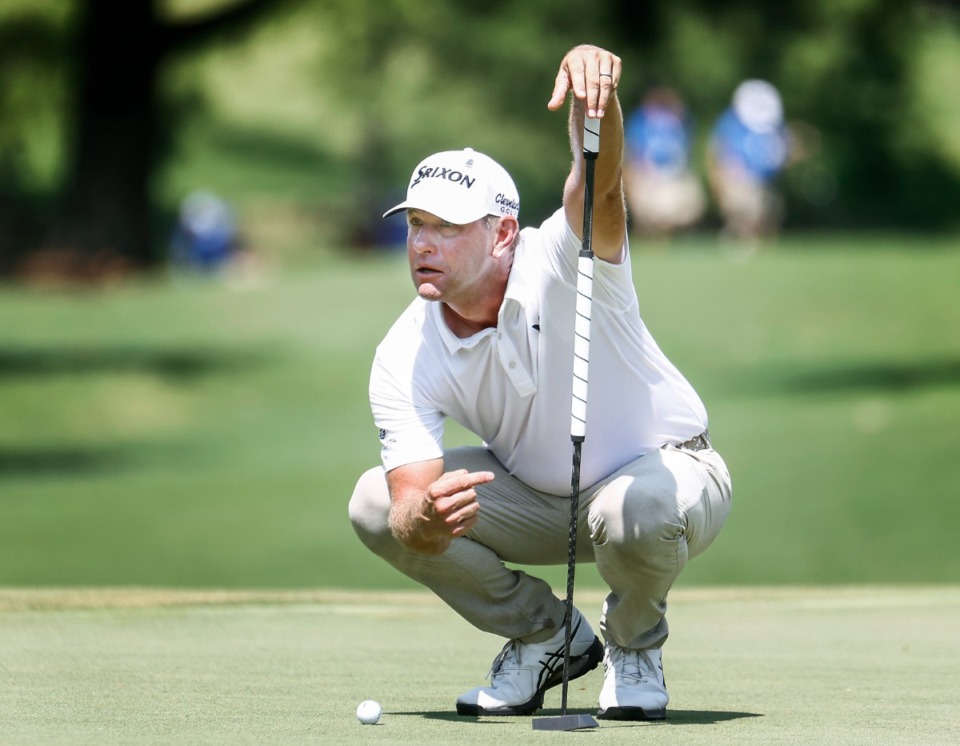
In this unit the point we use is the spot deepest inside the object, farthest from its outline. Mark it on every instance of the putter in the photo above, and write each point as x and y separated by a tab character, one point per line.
578	417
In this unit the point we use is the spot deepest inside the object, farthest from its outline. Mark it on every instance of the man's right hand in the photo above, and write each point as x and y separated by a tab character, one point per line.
429	511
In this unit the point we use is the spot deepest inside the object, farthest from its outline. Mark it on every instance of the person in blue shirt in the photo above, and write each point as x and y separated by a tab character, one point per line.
749	148
205	237
663	194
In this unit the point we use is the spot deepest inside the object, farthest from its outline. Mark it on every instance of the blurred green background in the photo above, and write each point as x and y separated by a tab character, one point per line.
163	429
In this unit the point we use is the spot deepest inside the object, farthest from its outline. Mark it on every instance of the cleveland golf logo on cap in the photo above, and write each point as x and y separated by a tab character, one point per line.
507	205
441	172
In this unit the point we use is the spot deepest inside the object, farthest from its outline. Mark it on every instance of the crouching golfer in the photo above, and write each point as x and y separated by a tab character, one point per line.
489	343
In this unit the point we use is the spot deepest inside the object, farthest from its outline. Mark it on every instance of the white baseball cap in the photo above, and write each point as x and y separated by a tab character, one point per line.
460	186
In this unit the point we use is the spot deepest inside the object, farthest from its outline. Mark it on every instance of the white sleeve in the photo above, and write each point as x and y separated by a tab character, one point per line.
411	429
560	247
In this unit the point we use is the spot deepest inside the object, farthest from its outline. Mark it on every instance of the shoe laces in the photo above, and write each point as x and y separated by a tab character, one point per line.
634	664
509	657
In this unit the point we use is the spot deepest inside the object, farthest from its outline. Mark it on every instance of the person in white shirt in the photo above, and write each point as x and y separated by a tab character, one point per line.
488	342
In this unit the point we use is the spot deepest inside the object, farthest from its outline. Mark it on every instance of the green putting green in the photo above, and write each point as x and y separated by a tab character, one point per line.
840	665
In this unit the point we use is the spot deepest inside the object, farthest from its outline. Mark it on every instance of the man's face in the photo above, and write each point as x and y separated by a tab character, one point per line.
449	262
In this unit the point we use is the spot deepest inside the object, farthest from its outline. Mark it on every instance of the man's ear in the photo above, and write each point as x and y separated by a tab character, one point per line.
507	229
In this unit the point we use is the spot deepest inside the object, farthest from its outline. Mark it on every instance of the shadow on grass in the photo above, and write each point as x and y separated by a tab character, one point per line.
706	717
901	375
453	717
180	364
53	462
674	717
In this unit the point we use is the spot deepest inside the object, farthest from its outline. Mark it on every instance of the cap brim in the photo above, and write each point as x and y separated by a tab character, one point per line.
462	217
394	210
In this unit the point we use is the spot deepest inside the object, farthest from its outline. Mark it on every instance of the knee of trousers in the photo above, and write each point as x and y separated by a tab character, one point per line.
625	515
369	511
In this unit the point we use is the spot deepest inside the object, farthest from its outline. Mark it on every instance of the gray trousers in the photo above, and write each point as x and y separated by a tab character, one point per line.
640	526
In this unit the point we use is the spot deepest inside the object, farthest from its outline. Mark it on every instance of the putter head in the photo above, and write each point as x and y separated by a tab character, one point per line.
565	722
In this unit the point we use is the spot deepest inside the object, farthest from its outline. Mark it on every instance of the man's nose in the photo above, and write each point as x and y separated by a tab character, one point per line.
421	240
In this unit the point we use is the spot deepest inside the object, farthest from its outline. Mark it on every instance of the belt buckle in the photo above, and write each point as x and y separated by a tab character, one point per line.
699	443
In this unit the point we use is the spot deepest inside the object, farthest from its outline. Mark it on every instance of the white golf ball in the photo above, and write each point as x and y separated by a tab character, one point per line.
368	712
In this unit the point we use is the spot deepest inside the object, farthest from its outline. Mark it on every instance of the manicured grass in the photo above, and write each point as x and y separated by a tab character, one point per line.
203	434
843	665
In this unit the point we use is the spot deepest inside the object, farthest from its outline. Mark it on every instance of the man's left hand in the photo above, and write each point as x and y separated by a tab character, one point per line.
592	74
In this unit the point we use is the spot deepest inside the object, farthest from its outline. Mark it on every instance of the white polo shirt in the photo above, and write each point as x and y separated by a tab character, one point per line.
512	385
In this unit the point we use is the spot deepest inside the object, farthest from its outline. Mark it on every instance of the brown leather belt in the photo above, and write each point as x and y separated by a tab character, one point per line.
700	443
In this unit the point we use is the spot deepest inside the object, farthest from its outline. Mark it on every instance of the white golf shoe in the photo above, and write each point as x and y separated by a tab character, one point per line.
522	672
633	685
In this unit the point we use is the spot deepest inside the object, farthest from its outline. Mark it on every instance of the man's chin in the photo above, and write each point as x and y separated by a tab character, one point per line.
428	291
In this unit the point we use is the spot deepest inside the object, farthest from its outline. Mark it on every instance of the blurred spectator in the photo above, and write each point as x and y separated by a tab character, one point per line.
663	195
205	237
749	147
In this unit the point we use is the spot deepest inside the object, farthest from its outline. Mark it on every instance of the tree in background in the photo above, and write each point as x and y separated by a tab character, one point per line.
116	122
30	92
410	76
